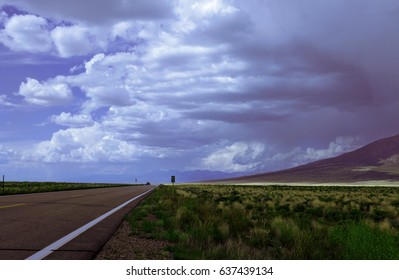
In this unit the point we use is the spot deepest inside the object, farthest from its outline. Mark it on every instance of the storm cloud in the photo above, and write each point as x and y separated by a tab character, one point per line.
216	85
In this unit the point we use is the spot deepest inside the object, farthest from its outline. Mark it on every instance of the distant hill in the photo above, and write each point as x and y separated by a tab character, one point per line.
373	162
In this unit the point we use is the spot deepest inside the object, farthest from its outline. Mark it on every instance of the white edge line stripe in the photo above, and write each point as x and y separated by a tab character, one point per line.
57	244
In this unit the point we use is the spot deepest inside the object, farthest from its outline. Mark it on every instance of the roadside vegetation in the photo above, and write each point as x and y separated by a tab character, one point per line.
34	187
272	222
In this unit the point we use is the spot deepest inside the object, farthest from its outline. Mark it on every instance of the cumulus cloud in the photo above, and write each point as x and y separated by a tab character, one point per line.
27	33
105	81
339	146
4	101
49	93
34	34
212	82
237	157
74	41
87	144
301	155
3	17
126	30
67	119
75	29
6	154
193	70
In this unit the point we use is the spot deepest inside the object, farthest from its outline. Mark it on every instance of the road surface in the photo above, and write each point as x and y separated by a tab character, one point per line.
29	223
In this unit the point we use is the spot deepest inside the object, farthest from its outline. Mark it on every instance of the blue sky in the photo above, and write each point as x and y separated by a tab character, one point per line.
117	90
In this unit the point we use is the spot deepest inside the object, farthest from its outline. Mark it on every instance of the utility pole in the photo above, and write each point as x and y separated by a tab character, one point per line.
3	184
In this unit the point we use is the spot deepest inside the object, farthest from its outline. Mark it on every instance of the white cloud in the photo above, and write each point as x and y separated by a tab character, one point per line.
126	30
31	33
70	29
339	146
236	70
149	92
36	34
87	144
300	156
134	116
4	101
27	33
3	17
195	10
108	96
95	59
212	7
6	154
67	119
49	93
75	40
106	81
237	157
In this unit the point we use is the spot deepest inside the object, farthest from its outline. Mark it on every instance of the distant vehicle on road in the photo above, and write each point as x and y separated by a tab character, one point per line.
148	183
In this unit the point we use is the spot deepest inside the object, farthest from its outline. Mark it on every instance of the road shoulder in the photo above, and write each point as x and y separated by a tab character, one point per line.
125	246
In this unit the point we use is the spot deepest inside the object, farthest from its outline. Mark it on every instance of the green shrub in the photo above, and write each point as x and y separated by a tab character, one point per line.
358	241
264	222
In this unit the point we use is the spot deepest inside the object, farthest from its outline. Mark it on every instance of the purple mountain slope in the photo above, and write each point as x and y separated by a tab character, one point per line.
378	160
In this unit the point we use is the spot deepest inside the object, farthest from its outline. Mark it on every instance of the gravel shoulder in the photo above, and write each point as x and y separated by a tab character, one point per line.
125	246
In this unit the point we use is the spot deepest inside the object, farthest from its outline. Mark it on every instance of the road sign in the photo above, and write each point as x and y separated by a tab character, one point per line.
173	179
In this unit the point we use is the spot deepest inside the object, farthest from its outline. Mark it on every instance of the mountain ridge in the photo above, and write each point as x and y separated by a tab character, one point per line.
376	161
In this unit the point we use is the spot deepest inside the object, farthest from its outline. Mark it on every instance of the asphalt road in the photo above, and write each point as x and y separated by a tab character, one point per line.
29	223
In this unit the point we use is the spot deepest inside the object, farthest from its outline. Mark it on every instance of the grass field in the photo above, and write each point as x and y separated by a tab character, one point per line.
272	222
34	187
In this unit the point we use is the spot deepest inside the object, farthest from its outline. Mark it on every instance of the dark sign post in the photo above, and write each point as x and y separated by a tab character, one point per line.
3	183
173	180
